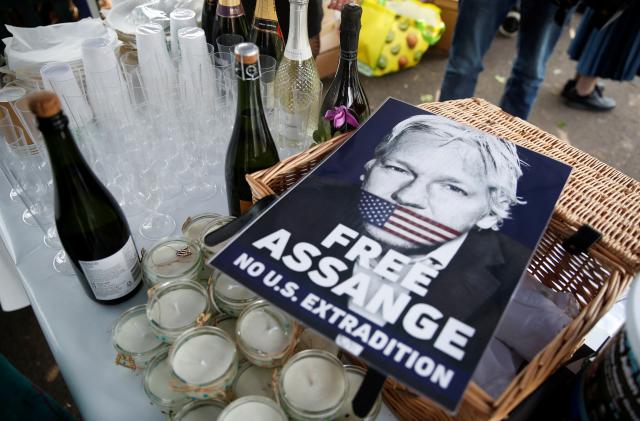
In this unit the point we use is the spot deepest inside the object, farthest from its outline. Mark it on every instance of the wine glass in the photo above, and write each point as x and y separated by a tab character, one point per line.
28	172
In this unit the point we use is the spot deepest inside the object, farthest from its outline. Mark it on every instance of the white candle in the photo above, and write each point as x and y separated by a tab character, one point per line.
314	383
203	359
176	258
256	381
228	289
177	308
253	408
134	334
157	384
261	330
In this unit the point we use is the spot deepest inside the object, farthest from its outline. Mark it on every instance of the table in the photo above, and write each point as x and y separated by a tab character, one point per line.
77	329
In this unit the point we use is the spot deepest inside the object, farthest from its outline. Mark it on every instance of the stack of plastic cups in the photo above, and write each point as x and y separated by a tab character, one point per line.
158	73
59	78
106	87
178	19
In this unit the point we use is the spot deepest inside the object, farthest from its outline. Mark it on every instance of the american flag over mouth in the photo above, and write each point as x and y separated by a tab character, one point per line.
403	222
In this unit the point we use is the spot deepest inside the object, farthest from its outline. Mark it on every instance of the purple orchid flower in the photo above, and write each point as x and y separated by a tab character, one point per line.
339	115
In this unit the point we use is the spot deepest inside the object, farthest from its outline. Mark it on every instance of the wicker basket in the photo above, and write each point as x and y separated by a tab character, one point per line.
596	194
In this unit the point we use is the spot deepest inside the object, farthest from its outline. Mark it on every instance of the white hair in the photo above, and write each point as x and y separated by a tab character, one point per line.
500	161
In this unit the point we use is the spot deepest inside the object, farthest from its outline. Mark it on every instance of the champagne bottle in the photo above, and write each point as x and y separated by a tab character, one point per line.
265	31
251	147
230	19
346	105
297	82
209	9
91	225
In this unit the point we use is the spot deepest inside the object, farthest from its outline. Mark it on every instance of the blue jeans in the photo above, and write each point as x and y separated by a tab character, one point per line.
478	22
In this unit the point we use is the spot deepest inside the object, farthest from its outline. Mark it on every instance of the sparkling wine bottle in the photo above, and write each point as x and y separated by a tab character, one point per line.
345	106
297	84
209	9
91	225
251	147
229	19
265	31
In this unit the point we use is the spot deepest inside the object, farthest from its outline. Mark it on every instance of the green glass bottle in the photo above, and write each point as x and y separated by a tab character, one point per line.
345	105
251	147
265	31
91	225
230	19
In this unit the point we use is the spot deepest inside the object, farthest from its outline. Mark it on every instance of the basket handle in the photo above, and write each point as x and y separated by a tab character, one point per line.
368	392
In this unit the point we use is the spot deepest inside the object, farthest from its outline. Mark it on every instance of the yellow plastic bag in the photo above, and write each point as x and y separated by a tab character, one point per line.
395	34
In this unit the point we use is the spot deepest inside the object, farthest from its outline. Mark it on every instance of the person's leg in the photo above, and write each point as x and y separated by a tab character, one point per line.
538	36
478	21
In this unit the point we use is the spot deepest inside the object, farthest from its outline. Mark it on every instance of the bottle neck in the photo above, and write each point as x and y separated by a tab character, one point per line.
298	47
248	87
229	8
266	11
63	151
348	52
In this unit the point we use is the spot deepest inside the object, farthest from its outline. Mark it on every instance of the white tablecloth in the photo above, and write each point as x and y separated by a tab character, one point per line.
77	329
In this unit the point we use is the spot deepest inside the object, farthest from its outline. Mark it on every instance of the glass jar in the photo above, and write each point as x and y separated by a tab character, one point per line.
176	306
313	386
253	408
205	360
195	229
133	339
202	410
229	296
266	335
254	380
157	379
355	375
215	224
170	259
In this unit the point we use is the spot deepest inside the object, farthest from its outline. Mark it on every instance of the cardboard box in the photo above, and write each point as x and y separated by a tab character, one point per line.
449	14
327	62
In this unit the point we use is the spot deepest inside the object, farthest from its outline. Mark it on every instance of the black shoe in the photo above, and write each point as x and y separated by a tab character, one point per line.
571	84
511	24
595	101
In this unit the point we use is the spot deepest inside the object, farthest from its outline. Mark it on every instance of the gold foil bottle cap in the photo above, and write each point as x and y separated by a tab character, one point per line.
246	53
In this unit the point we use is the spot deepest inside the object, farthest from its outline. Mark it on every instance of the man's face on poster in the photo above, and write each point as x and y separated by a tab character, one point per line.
442	181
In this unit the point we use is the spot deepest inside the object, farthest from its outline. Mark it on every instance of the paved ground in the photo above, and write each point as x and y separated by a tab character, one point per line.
612	137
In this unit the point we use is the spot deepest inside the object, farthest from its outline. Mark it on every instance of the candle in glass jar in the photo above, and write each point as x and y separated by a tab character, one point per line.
253	408
355	375
230	296
132	333
174	258
178	308
213	226
157	385
262	330
253	380
313	385
203	359
201	410
193	227
265	334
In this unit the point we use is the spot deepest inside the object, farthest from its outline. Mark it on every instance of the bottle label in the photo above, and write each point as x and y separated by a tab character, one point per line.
114	276
248	71
298	54
348	55
266	25
229	11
